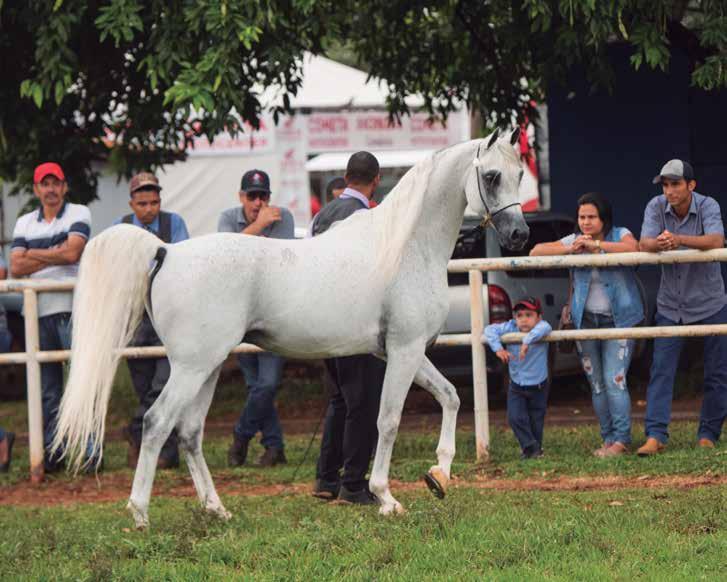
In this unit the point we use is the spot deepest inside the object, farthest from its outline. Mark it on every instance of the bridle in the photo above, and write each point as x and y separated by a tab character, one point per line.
487	218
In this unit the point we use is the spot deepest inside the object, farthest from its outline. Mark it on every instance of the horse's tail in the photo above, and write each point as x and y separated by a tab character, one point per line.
108	304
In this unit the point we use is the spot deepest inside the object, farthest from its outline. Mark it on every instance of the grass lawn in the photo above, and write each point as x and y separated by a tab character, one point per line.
636	532
654	532
472	535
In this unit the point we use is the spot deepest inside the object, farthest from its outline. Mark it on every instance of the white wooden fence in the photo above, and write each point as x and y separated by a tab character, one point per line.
479	310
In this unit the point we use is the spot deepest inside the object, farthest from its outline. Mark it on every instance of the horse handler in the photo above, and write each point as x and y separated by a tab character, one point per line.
150	375
349	432
262	371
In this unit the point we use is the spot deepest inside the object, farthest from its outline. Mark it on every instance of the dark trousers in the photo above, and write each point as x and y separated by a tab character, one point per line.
526	406
660	391
349	431
149	376
262	372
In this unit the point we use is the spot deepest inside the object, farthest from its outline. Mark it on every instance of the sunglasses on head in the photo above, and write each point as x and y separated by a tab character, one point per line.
252	196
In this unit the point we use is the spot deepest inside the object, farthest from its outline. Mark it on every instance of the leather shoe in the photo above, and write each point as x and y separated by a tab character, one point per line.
326	490
360	497
615	450
237	453
271	457
9	442
706	443
650	447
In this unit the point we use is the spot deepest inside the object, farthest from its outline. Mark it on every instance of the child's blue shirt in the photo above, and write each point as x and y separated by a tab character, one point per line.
534	368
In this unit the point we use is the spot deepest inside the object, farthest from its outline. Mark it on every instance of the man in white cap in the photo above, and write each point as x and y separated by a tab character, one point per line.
689	293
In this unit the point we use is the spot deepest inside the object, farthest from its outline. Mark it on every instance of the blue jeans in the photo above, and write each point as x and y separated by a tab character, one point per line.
55	334
606	364
526	406
262	373
661	384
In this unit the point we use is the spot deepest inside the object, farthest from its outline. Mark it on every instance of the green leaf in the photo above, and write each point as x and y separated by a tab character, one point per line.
38	95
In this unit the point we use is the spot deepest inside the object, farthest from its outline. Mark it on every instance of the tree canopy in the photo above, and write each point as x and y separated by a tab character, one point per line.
130	82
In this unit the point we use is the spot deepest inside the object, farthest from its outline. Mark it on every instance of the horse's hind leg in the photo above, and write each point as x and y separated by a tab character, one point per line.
432	380
401	365
159	421
191	429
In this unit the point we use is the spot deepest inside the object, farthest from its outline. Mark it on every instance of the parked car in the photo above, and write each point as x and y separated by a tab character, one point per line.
501	289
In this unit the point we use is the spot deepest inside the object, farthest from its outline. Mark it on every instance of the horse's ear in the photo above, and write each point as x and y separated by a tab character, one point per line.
493	138
515	136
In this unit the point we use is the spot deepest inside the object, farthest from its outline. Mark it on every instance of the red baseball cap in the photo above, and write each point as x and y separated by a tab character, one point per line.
532	303
48	169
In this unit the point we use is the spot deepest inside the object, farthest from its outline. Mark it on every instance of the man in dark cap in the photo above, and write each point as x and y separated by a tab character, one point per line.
262	371
150	375
349	432
689	294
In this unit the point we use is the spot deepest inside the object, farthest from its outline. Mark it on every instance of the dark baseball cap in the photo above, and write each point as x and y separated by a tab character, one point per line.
675	170
532	303
144	181
255	181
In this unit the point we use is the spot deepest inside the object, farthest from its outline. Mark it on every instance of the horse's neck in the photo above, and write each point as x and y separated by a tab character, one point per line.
445	203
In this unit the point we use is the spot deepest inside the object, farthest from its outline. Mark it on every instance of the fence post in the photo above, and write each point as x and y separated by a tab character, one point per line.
35	409
479	368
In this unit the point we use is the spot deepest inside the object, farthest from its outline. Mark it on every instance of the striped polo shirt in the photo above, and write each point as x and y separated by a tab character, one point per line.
33	232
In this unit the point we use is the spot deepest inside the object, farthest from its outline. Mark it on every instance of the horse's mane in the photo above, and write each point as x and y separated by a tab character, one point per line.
394	220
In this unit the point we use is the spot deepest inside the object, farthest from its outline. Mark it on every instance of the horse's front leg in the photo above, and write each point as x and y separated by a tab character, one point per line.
432	380
402	364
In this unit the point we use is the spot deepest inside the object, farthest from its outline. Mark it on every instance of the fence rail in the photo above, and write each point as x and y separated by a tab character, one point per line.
33	357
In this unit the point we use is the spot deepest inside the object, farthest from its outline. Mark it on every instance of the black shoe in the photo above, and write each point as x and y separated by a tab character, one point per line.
531	454
237	453
271	457
51	466
360	497
326	490
10	440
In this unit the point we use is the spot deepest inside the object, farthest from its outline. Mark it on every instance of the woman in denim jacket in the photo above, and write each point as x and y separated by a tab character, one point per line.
603	297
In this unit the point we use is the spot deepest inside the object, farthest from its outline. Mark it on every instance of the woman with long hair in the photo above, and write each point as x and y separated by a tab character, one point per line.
601	298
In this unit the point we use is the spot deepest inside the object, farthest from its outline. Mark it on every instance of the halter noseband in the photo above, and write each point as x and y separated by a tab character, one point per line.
487	218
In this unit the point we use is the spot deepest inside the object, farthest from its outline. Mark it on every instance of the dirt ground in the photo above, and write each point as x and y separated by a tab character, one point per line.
115	487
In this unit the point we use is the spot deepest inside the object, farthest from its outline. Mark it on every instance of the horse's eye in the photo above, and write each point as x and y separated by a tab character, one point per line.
491	177
520	177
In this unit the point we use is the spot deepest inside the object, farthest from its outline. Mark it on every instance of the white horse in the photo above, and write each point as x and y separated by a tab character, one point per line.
376	283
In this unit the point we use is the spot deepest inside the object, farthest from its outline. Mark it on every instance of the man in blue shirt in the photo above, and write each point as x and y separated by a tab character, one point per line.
527	396
262	371
150	375
689	293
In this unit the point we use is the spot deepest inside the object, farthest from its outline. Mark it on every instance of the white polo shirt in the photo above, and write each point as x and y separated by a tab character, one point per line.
33	232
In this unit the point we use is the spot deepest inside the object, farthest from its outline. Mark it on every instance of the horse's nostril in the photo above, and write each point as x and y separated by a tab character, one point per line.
518	235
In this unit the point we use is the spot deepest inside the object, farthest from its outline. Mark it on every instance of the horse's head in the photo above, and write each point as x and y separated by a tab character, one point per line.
492	189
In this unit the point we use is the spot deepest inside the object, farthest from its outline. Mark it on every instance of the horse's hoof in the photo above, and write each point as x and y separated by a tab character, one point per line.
141	521
437	482
221	512
395	508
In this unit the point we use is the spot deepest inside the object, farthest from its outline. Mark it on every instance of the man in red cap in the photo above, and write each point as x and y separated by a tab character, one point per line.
47	244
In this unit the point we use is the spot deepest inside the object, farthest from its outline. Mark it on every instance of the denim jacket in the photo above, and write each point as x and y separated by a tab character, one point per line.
621	288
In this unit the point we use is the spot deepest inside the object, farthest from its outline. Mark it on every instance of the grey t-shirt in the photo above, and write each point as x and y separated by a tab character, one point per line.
233	220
